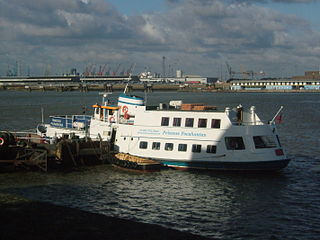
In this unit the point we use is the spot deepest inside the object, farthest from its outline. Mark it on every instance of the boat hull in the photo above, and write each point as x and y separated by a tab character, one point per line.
273	165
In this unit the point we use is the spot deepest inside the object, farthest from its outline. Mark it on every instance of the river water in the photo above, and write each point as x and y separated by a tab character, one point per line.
221	205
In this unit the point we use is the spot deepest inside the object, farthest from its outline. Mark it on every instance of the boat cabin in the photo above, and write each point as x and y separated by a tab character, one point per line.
107	113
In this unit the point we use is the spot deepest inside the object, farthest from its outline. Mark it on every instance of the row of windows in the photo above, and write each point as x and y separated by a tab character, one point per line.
181	147
232	143
189	122
275	83
236	143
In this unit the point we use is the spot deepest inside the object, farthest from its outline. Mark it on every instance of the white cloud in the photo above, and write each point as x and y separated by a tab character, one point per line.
151	30
76	18
194	35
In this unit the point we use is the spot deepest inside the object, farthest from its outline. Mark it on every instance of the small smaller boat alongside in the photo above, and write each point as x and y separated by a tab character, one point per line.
135	163
66	126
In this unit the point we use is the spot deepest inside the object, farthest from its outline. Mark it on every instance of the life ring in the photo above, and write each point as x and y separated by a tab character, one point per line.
124	109
1	141
126	116
111	119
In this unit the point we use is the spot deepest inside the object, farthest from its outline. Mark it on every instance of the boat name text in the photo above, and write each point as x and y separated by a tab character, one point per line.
171	133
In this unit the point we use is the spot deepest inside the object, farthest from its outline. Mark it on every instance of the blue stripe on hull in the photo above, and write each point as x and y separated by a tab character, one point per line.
130	96
237	166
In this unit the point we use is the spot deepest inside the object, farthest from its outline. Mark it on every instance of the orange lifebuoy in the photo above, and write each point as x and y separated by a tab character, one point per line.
124	109
111	119
1	141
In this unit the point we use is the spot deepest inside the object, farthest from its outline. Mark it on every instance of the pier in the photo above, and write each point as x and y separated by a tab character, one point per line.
234	86
94	87
29	151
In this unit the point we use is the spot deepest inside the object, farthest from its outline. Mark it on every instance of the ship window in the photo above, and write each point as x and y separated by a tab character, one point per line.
168	146
182	147
215	123
176	122
211	149
189	122
156	146
106	133
143	145
196	148
202	123
164	121
264	142
234	143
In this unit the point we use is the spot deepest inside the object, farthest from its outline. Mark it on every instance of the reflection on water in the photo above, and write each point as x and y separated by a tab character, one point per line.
223	205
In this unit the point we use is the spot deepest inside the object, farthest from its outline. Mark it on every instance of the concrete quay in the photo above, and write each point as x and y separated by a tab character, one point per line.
147	87
107	87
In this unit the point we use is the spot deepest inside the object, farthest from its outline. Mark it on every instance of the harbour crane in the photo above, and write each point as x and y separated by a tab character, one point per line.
102	70
88	70
130	70
108	71
117	69
93	70
231	73
243	72
122	72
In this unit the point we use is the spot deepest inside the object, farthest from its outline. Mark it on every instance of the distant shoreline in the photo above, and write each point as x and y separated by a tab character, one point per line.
142	87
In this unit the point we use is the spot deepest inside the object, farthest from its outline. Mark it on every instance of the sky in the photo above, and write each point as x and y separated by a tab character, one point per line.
278	37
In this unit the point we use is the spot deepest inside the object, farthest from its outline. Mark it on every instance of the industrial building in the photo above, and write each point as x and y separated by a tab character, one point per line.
275	84
179	78
310	81
314	75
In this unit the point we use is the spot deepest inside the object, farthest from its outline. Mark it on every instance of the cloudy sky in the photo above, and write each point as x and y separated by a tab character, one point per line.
279	37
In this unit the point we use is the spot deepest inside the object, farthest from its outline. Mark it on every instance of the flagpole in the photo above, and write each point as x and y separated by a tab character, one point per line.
272	121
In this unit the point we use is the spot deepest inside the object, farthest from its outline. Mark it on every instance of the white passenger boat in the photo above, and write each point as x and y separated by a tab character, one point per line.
190	135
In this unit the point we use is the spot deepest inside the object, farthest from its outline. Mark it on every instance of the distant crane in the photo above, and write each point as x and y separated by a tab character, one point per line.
9	71
108	71
252	73
47	70
122	72
231	73
102	70
244	73
88	70
130	70
85	73
117	69
93	70
164	66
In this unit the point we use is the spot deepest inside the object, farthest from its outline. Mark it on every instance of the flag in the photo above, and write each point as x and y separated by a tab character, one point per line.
278	119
